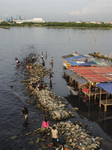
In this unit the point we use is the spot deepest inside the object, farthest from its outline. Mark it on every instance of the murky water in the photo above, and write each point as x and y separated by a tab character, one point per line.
19	42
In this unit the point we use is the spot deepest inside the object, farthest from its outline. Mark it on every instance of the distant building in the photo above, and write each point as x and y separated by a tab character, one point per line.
78	22
19	18
97	22
30	20
10	19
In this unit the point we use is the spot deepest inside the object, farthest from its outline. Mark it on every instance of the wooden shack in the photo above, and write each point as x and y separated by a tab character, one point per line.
93	76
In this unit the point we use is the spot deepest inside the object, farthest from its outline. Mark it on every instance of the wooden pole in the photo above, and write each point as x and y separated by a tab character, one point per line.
106	103
100	99
89	91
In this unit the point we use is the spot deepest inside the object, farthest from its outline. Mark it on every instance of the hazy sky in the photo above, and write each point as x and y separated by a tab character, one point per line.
58	10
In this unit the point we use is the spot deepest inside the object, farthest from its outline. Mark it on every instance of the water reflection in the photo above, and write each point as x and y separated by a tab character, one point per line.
92	112
57	45
25	124
51	85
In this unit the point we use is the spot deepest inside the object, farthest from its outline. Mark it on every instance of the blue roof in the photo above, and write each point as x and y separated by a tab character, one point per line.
74	58
105	86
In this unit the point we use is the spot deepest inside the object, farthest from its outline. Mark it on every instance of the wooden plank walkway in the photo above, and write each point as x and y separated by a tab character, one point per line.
106	103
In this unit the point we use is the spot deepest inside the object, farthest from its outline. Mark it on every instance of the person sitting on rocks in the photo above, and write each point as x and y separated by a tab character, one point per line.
33	59
40	86
34	85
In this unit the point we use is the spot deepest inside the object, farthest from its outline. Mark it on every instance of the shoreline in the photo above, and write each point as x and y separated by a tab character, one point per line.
82	25
91	28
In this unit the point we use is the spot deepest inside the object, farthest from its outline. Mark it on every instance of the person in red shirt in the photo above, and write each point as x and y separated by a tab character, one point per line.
45	123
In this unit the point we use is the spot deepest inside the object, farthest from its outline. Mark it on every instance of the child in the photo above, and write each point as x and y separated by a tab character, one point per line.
45	123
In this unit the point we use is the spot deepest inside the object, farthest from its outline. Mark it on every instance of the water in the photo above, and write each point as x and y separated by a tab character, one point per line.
19	42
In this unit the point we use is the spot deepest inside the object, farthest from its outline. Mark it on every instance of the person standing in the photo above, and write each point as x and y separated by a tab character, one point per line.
17	62
51	63
42	55
54	135
25	113
43	63
45	123
50	73
46	55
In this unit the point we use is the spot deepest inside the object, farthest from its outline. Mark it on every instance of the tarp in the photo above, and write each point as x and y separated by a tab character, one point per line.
81	63
73	63
105	86
90	63
71	58
99	63
74	58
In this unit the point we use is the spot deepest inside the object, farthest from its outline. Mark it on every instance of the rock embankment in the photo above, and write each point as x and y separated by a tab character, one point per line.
74	136
44	98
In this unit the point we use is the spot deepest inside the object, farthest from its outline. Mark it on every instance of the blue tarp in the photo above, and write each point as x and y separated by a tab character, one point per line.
73	63
90	63
106	86
74	58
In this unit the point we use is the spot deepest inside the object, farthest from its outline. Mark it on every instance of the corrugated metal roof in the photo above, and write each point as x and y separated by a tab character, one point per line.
79	79
98	79
74	76
94	74
68	72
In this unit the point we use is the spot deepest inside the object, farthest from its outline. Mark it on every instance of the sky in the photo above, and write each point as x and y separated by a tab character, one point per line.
58	10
